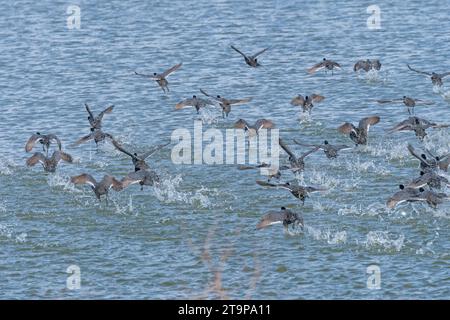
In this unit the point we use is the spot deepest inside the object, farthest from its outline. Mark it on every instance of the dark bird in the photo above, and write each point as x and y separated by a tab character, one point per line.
416	124
272	172
226	104
160	78
432	179
96	134
297	191
96	121
139	161
296	163
49	163
359	134
145	177
436	78
195	102
100	188
410	103
306	102
284	216
431	163
405	195
253	130
367	65
324	64
44	139
330	150
252	61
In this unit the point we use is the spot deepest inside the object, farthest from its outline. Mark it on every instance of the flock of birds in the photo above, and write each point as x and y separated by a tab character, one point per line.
425	188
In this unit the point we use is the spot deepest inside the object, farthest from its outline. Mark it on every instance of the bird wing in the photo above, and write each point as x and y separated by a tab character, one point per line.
307	145
236	102
404	125
270	218
205	93
35	158
84	139
264	124
317	97
143	75
185	103
382	101
31	142
359	65
286	148
445	74
84	178
418	71
169	71
55	138
414	154
89	112
259	53
423	102
303	156
314	189
298	100
154	150
121	149
346	128
107	110
132	178
59	155
365	123
238	51
241	124
316	67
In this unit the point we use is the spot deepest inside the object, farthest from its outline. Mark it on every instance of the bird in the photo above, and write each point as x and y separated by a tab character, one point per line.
49	163
96	122
44	139
432	179
410	103
434	198
96	134
405	195
367	65
195	102
252	61
436	78
307	102
284	216
272	171
416	124
330	150
101	187
226	104
359	134
139	160
145	177
300	192
324	64
160	78
253	130
296	164
432	163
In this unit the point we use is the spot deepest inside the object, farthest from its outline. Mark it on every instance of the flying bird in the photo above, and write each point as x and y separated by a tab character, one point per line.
96	121
306	102
96	134
253	130
226	104
436	78
195	102
252	61
367	65
359	134
297	191
49	163
160	78
410	103
101	187
296	163
324	64
416	124
330	150
284	216
44	139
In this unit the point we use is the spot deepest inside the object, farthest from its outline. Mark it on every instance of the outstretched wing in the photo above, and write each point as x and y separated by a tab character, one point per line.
185	103
121	149
418	71
31	142
169	71
316	67
361	64
317	97
423	102
84	139
107	110
259	52
154	150
132	178
303	156
365	123
59	155
412	151
307	145
264	124
286	148
91	115
37	157
404	125
236	102
383	101
238	51
55	138
241	124
271	218
346	128
298	100
84	178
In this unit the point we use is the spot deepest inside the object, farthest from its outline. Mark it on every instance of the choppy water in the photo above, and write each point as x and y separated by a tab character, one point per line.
156	243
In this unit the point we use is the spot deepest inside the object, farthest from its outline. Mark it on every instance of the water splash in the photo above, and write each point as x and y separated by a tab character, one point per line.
327	235
382	241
